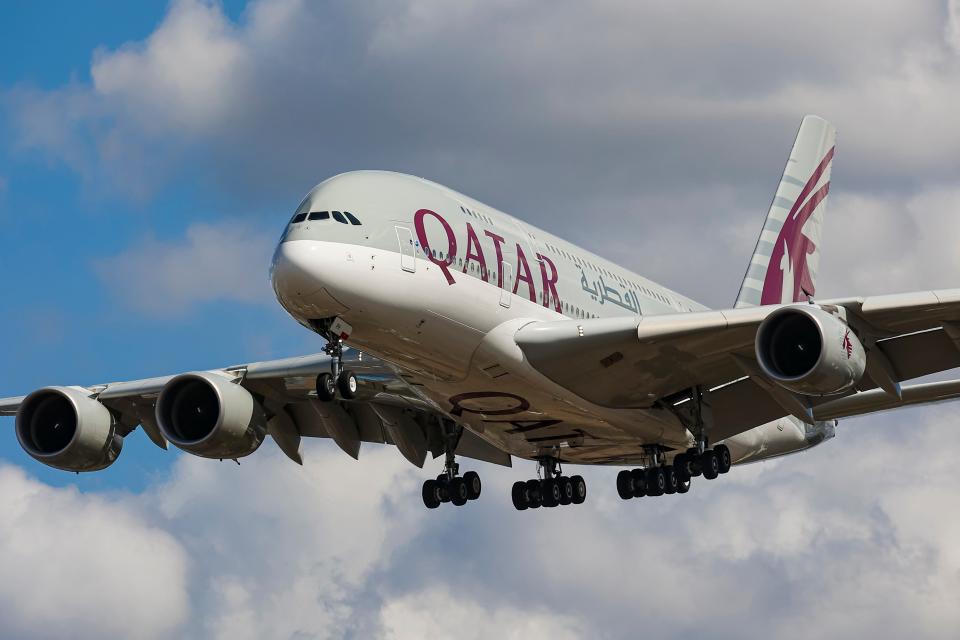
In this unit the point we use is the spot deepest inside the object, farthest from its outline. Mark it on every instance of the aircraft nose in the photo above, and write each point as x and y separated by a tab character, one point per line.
298	275
290	272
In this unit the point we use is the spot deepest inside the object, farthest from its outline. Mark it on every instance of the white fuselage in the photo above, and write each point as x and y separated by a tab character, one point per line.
437	284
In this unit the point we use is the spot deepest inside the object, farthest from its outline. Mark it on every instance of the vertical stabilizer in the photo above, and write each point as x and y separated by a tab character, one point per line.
785	261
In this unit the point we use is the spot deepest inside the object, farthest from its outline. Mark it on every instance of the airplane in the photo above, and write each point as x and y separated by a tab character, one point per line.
456	330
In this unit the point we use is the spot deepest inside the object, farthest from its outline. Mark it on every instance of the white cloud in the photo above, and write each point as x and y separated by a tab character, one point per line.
84	566
817	544
447	615
224	261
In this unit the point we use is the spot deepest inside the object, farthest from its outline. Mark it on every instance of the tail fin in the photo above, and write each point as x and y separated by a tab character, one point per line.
787	256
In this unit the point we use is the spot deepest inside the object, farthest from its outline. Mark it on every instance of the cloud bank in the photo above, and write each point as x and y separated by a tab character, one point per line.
818	544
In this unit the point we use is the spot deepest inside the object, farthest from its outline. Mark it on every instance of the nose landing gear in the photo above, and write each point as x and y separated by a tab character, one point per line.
339	379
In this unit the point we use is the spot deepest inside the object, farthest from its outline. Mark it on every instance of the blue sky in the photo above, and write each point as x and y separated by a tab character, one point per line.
64	326
151	153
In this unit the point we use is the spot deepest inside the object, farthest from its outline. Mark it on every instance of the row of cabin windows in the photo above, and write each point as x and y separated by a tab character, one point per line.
627	283
343	217
474	214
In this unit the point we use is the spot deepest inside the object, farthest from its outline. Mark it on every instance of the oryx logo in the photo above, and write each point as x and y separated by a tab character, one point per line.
788	276
848	344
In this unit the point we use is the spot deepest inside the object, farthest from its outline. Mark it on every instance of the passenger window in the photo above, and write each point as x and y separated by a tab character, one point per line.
353	220
300	217
339	217
320	215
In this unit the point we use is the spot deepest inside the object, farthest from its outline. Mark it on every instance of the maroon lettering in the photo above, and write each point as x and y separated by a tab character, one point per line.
443	263
474	252
524	275
549	284
498	245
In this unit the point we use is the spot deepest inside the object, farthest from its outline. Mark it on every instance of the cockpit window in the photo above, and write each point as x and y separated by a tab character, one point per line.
320	215
352	218
339	217
300	217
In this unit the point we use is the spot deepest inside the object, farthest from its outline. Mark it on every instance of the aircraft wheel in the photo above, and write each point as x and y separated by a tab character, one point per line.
625	484
723	457
579	489
566	490
683	485
472	480
519	495
682	465
347	385
639	483
551	492
431	494
458	492
656	481
710	465
670	480
326	387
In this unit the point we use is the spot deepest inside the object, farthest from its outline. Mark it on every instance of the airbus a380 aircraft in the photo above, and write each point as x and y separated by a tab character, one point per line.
473	334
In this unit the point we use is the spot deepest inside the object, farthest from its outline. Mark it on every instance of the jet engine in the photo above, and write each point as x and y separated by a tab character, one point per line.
63	427
809	351
208	415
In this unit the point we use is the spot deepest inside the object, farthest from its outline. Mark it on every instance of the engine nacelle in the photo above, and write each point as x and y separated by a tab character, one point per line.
207	415
65	428
807	350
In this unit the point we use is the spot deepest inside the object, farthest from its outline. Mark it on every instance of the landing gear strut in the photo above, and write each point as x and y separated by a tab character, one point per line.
553	489
449	485
339	379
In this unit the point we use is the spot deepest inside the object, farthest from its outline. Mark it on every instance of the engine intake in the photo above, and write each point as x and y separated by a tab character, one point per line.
807	350
63	427
207	415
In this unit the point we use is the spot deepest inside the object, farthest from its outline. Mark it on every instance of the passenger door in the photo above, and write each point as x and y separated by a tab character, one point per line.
408	256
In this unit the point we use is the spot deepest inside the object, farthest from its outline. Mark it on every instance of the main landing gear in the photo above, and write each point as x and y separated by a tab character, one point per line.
339	379
660	478
552	490
449	485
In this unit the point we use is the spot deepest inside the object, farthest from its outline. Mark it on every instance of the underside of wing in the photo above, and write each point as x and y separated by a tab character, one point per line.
227	413
659	361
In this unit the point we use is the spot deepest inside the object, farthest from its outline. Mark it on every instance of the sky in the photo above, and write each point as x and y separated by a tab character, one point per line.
151	153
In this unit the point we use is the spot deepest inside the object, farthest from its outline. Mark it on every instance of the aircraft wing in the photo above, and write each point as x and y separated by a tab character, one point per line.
653	361
385	410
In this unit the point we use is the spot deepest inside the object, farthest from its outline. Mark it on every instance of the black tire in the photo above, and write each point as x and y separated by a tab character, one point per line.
347	385
458	492
566	490
656	481
472	479
681	466
639	483
710	465
519	495
579	489
431	494
683	485
550	490
723	457
625	484
670	476
326	387
534	497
